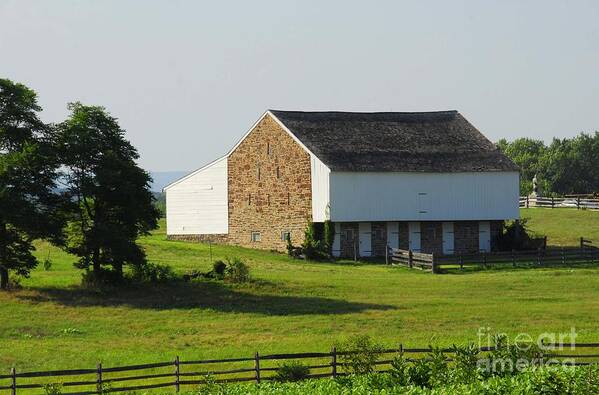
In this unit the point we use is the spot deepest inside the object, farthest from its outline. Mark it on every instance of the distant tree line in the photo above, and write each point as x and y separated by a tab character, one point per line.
75	184
565	166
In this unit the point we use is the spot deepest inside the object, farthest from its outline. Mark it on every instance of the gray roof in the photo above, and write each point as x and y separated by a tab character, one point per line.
442	141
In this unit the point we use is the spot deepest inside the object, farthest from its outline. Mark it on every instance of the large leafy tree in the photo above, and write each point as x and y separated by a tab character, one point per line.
28	201
112	202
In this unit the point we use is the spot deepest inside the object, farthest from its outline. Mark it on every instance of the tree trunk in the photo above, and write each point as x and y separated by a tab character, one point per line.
118	268
3	278
96	262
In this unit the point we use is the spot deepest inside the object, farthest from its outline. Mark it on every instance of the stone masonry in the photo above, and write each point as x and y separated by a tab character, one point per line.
269	188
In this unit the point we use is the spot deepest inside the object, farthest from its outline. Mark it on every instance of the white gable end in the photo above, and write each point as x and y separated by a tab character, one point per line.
198	203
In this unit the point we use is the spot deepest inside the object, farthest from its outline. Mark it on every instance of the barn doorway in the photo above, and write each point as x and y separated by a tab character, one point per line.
365	230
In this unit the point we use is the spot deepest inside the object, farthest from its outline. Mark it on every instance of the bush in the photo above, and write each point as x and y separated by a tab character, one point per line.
515	235
153	273
361	354
218	269
292	371
47	264
237	271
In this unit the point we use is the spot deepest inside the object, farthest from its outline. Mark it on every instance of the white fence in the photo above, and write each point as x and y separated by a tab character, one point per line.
562	202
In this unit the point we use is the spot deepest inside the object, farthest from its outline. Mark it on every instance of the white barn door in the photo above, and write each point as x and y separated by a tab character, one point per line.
365	230
484	236
448	238
337	240
414	236
393	234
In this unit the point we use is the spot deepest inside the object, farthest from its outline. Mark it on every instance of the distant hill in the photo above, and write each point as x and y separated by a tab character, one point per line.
163	178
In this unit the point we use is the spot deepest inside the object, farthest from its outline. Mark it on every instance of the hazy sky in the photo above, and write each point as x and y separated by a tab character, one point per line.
187	79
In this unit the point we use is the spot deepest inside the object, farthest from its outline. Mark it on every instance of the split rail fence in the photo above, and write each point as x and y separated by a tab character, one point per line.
562	202
585	253
177	373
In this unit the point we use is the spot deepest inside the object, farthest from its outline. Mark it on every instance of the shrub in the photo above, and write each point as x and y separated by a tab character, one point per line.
218	269
515	235
237	271
465	369
292	371
329	236
359	354
313	247
153	273
47	264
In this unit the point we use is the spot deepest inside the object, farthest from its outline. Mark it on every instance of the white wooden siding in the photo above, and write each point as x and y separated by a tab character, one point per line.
198	203
423	196
319	173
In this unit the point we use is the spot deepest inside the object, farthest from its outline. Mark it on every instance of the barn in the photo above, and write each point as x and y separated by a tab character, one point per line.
425	181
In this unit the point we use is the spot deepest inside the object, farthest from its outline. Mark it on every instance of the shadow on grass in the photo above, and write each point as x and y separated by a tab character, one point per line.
199	295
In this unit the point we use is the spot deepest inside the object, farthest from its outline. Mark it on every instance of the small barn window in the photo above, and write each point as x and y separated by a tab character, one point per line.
278	172
349	234
256	237
249	199
258	172
285	235
288	198
268	200
268	150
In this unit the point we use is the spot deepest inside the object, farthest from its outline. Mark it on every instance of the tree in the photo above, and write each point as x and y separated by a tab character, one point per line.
112	203
527	154
28	201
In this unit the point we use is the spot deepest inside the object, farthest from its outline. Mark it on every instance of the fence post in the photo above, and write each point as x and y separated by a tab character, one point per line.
355	249
461	262
563	256
578	203
177	372
539	256
513	257
387	254
433	263
257	366
99	378
527	203
13	384
410	257
485	259
552	202
334	361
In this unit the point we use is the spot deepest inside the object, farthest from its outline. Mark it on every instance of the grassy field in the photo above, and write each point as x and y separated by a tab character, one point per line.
291	306
563	226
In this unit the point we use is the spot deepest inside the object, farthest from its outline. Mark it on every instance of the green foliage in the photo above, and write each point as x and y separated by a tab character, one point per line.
329	236
292	371
28	202
153	273
313	247
52	389
566	166
47	264
516	235
237	271
546	381
111	201
218	269
358	354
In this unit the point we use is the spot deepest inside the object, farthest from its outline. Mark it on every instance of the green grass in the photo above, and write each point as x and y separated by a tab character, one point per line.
292	306
563	226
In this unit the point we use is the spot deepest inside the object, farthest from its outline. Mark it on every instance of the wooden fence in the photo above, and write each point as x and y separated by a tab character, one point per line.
562	202
177	373
585	253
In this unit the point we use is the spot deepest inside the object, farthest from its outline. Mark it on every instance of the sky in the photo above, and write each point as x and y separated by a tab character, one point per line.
187	79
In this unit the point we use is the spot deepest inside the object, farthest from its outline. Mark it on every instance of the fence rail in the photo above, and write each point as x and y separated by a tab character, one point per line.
561	202
184	373
585	253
